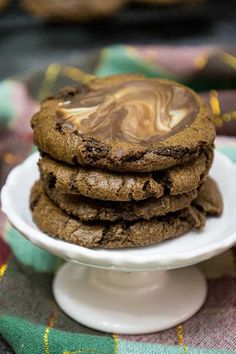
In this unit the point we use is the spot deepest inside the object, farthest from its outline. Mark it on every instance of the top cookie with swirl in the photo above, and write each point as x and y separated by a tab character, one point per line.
125	123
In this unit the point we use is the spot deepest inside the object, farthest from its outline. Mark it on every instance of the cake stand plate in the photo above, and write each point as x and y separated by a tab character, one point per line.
131	303
129	291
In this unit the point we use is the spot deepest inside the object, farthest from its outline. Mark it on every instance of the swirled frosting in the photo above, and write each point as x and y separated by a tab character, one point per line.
136	111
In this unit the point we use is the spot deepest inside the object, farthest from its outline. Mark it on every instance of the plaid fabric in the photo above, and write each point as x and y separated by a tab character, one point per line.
30	320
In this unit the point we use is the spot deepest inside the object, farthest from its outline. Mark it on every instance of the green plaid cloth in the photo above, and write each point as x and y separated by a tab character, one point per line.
30	320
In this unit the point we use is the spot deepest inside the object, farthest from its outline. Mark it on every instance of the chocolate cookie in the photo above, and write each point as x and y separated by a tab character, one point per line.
209	199
96	183
166	2
108	185
72	10
183	178
3	4
87	209
125	123
57	223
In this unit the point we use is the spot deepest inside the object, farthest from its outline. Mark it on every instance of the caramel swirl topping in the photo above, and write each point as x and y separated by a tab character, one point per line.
136	111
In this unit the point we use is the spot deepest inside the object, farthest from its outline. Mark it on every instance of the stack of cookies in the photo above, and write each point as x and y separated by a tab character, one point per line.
124	162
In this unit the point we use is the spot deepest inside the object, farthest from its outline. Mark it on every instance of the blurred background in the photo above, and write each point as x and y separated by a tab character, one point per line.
34	34
44	44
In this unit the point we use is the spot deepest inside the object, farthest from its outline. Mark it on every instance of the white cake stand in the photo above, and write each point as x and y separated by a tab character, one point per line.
131	290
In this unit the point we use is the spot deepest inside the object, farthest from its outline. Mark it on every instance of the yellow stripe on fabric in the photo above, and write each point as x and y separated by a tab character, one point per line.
50	77
10	158
229	59
77	74
201	61
229	116
3	269
215	107
116	342
45	340
214	102
51	324
52	73
181	338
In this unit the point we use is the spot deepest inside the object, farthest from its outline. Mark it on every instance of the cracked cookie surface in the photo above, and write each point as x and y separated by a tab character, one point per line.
114	186
57	223
125	123
88	209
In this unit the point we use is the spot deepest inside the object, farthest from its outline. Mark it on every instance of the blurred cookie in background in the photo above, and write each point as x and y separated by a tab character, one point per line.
80	10
167	2
3	4
72	10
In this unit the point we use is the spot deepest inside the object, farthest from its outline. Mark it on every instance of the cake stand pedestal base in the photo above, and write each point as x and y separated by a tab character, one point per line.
129	302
